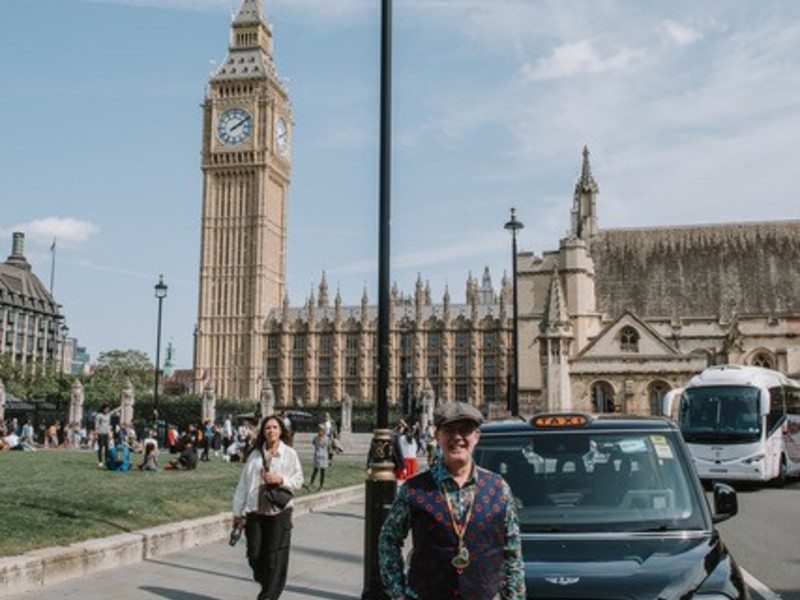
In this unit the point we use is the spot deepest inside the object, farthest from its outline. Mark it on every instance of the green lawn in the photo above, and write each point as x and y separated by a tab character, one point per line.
54	497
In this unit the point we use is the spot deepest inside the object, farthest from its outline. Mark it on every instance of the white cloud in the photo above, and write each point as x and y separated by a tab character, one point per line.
577	58
66	230
678	34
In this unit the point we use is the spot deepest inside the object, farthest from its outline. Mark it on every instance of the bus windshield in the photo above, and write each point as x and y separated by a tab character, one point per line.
720	414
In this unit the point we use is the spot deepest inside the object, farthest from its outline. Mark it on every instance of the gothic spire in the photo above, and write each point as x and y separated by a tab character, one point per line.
555	320
322	301
584	206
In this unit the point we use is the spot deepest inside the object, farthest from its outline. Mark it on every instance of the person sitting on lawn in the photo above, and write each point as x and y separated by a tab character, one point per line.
119	457
150	462
187	459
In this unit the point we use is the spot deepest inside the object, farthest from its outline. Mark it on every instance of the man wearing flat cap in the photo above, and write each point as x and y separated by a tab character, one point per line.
463	523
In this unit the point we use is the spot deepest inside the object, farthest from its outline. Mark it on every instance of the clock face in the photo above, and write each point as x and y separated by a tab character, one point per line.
281	135
234	126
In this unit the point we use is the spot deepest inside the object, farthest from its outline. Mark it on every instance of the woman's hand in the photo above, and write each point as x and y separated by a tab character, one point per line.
273	478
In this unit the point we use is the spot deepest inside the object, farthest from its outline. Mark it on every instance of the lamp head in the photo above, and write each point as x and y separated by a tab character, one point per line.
161	288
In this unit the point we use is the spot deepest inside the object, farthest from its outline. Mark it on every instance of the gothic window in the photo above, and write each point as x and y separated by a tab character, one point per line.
488	366
298	366
489	339
273	342
489	392
434	340
326	343
299	342
462	365
763	359
603	397
351	341
433	366
351	366
462	392
629	340
272	368
324	366
462	339
656	391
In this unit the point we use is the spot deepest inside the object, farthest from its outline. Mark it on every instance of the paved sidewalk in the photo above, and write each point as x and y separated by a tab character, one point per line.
325	563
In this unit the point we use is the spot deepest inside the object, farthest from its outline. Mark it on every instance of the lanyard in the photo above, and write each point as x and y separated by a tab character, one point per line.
461	559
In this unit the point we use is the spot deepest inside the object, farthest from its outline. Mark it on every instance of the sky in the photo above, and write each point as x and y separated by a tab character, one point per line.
691	112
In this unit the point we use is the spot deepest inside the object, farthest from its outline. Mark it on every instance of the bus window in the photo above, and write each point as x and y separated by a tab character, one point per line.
777	409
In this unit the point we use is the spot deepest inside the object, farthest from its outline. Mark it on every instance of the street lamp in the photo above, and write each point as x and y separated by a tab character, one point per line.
64	333
512	226
381	485
161	293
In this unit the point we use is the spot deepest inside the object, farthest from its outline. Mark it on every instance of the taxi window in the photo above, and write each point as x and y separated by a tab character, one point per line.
590	481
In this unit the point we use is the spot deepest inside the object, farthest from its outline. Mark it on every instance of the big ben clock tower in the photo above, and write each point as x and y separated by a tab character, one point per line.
246	163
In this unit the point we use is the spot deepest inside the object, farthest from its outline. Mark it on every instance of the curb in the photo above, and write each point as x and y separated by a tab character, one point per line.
48	566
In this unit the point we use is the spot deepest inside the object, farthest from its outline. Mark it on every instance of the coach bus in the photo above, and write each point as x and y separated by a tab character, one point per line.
741	423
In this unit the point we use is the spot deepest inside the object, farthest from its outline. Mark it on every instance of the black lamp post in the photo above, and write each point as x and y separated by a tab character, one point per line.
64	333
161	293
381	485
512	226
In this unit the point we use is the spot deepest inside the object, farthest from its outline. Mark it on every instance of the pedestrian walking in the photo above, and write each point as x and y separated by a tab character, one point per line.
463	521
322	446
262	505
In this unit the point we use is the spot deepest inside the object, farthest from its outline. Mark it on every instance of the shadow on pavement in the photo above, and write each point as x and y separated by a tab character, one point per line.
196	570
312	593
331	555
173	594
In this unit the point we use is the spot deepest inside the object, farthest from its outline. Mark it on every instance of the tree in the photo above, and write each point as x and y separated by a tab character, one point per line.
113	368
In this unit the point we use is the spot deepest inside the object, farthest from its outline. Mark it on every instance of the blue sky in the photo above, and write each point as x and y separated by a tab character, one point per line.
691	111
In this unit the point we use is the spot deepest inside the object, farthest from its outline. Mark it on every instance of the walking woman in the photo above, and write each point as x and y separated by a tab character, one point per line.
268	525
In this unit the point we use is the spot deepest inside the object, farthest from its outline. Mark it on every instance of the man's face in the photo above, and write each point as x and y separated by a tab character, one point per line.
457	439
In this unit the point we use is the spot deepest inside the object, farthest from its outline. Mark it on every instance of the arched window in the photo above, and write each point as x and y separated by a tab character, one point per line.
763	359
603	397
629	340
655	392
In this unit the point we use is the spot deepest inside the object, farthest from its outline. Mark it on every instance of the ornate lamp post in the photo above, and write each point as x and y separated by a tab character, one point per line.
381	485
161	293
512	226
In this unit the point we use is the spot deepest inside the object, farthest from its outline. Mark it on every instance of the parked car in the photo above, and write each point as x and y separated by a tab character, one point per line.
611	507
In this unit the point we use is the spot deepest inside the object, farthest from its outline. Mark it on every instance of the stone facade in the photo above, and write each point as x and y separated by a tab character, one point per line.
636	312
323	353
30	318
246	162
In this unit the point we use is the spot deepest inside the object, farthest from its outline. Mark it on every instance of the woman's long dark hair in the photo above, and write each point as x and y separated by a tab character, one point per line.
261	439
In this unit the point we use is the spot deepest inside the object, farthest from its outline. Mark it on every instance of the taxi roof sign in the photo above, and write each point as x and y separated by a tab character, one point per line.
554	420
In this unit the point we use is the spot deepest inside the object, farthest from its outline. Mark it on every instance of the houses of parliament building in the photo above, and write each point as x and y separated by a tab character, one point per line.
608	321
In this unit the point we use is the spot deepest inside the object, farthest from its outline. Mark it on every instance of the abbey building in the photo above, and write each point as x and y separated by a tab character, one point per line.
609	320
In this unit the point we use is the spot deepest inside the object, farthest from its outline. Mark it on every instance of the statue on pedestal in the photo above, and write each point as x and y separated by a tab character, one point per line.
267	398
209	402
347	415
76	404
127	399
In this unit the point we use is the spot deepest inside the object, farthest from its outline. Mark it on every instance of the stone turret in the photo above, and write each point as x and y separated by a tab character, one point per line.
584	207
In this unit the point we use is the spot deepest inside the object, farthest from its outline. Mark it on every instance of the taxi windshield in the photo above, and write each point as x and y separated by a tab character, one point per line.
595	481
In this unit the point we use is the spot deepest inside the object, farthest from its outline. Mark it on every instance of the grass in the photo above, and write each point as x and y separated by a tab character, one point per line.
57	497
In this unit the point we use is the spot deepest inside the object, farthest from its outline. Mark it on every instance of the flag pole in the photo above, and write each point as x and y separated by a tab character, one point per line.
52	265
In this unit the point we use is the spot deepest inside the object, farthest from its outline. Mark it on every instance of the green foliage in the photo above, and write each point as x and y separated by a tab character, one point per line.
60	497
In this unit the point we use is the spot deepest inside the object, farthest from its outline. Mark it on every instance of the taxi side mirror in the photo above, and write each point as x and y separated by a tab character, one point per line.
726	504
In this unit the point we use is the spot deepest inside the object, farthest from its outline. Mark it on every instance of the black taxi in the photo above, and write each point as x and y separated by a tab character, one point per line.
611	508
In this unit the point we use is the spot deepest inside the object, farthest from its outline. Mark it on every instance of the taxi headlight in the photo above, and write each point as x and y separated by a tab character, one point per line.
755	458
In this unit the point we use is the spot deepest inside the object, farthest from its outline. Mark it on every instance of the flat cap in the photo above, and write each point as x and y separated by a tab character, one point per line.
456	411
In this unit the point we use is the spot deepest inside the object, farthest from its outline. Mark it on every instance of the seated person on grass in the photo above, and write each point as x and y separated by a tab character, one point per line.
187	459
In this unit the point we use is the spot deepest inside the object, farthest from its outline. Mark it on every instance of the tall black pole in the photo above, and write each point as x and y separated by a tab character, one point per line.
512	226
380	485
161	293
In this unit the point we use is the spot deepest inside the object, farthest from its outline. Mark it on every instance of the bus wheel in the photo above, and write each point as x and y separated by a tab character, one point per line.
780	480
